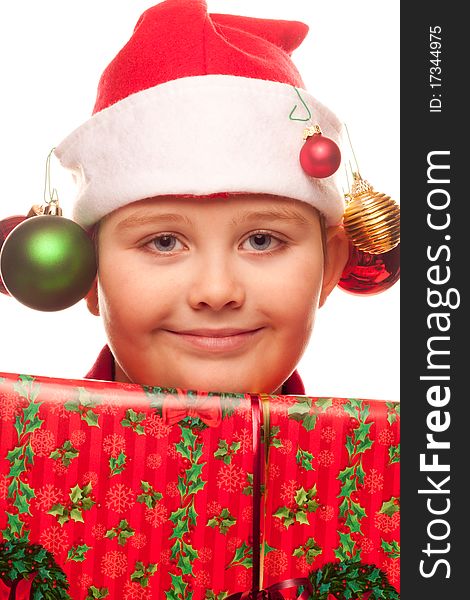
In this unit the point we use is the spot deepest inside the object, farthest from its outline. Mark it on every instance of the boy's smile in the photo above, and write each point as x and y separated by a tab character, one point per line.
212	294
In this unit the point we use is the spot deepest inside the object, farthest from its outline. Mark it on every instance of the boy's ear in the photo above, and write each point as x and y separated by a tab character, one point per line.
336	257
92	299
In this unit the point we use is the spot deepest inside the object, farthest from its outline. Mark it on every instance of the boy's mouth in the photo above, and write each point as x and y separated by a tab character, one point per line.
216	340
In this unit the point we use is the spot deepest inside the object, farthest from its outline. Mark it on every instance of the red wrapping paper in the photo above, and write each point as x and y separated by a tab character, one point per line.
118	491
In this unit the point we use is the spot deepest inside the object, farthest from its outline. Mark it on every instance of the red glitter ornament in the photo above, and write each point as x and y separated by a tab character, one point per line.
368	274
320	156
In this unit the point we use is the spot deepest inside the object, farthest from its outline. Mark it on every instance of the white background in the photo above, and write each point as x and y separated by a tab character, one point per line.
52	54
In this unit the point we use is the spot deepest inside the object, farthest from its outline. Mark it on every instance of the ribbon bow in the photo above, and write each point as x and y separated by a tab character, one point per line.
273	593
204	407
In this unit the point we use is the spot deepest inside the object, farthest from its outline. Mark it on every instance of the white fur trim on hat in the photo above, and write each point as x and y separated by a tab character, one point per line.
199	136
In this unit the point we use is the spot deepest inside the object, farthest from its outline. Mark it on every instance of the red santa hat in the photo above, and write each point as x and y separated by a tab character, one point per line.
199	104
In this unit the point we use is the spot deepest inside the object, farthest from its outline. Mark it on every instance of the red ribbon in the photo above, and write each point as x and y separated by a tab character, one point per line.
22	591
204	407
4	591
273	591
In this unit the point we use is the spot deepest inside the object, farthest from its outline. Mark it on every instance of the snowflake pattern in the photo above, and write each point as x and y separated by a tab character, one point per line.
3	487
120	498
84	581
233	543
139	541
231	478
172	452
392	568
326	458
9	406
98	531
47	496
109	408
326	512
42	442
366	545
247	514
273	472
385	437
114	564
205	554
386	523
156	427
114	444
54	539
134	591
328	434
78	438
202	579
337	407
57	408
302	565
286	447
374	481
245	438
59	468
156	516
276	562
165	557
288	490
172	489
244	578
213	508
154	461
90	477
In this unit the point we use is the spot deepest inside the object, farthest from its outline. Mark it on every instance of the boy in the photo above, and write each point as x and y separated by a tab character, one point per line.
190	164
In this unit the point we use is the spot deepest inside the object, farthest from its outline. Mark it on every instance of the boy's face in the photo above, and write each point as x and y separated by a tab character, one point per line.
212	294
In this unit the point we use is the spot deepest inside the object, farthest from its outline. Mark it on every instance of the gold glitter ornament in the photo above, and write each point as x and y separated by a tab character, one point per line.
371	219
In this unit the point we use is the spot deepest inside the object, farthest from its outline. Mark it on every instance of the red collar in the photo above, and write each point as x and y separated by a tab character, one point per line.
103	370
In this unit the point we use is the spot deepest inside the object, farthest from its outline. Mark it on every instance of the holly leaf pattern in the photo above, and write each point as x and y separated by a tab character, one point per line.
223	521
95	593
394	454
134	420
143	573
304	459
77	553
117	464
390	507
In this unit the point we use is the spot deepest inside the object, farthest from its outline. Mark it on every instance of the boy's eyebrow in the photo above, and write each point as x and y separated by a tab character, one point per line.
281	214
137	220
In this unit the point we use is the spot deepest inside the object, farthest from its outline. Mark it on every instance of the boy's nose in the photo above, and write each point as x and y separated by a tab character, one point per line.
217	286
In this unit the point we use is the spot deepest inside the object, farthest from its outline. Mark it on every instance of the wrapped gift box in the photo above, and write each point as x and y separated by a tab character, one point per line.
119	491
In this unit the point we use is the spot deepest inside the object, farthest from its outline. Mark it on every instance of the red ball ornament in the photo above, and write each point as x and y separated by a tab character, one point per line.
367	274
320	156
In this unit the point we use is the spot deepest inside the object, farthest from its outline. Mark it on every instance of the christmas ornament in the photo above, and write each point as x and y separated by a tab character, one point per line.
367	274
48	262
371	219
319	156
6	227
372	223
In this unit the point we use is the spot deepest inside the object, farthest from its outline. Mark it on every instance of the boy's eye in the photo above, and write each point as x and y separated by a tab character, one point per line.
166	243
261	241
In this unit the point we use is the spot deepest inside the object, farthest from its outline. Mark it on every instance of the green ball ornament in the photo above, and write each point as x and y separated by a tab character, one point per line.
48	263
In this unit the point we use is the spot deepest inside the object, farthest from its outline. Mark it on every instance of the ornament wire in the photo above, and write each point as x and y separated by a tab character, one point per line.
353	153
53	194
303	102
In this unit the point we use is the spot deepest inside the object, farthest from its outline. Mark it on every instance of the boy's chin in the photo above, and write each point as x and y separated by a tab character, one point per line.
221	384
